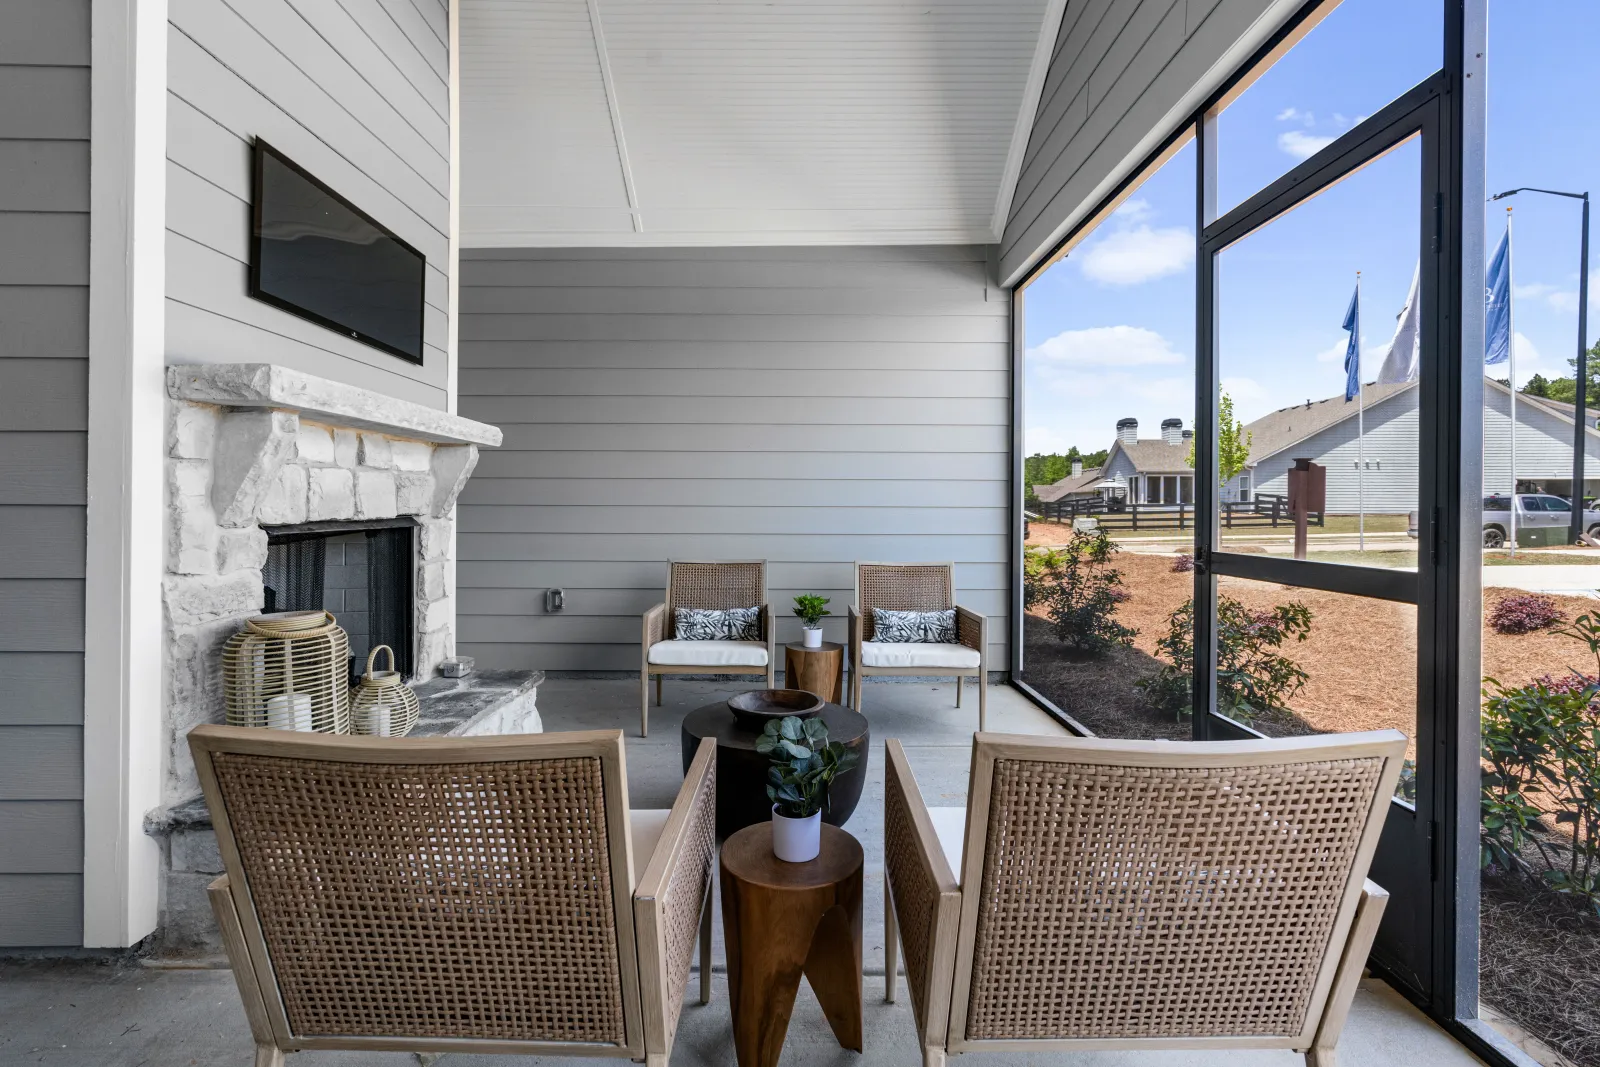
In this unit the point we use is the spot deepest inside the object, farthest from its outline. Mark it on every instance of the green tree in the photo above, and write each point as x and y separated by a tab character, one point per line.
1538	385
1233	443
1565	389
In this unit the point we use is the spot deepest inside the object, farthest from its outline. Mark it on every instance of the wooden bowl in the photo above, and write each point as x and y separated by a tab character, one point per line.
754	709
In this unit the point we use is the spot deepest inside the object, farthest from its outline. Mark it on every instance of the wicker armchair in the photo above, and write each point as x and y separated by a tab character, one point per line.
734	584
1099	894
480	894
916	587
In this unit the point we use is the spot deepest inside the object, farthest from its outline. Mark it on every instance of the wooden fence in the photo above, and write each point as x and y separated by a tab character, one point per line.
1262	512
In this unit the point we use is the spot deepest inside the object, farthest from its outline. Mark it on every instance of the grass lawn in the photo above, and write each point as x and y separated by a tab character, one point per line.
1406	558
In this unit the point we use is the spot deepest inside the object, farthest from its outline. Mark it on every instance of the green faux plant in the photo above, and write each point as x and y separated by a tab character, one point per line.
811	608
804	764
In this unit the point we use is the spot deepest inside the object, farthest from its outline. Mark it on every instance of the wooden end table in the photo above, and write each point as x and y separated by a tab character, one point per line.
816	670
781	920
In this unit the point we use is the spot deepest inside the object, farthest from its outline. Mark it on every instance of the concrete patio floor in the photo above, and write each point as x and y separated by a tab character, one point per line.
131	1015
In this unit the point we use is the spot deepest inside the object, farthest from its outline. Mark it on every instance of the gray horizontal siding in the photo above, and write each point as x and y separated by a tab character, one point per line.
44	349
41	910
809	406
1120	71
346	90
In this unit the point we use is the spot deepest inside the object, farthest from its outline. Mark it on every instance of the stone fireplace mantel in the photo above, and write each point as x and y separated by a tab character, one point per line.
266	385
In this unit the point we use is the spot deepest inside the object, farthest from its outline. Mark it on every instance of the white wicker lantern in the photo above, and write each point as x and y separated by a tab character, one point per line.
382	704
288	671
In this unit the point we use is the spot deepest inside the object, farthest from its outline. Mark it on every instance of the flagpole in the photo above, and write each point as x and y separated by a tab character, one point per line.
1511	349
1361	435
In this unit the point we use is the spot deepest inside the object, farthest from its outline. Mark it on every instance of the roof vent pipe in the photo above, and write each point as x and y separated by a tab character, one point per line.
1128	431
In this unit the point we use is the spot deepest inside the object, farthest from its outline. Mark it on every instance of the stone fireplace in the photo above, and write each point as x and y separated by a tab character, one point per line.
257	448
260	458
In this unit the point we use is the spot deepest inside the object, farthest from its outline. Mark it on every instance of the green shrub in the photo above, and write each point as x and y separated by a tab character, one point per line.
1542	747
1079	591
1251	674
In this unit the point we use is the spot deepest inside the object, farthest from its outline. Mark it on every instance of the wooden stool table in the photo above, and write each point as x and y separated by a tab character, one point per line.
781	920
816	670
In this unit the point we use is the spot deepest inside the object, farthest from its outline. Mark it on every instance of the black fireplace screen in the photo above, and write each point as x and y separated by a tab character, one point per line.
362	572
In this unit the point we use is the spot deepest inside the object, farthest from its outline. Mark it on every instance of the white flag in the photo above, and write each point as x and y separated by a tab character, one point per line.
1403	361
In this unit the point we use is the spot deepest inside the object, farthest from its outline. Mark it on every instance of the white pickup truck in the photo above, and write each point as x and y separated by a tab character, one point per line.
1542	519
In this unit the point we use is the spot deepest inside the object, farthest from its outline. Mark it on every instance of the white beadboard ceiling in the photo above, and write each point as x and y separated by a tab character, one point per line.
723	122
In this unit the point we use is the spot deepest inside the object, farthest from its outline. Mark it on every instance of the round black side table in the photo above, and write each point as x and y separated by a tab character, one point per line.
742	771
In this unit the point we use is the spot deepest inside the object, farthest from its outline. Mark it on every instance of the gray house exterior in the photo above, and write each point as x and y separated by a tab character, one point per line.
1386	456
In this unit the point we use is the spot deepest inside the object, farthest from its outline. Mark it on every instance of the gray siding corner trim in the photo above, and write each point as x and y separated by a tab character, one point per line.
808	406
44	408
1125	75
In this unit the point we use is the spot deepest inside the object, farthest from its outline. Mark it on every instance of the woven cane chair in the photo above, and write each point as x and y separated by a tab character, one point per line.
734	584
463	894
916	587
1099	894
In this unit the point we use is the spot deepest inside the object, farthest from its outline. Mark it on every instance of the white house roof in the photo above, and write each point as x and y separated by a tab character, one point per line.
725	122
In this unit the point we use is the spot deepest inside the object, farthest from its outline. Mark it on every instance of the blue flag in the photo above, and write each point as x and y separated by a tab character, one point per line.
1497	304
1352	352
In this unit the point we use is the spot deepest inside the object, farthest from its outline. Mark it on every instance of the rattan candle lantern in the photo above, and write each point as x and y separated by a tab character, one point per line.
382	704
288	671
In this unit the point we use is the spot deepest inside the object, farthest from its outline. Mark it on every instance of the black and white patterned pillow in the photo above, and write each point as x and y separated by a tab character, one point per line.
914	627
712	624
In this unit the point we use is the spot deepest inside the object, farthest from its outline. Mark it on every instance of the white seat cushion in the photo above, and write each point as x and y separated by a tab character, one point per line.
709	653
646	825
950	827
918	654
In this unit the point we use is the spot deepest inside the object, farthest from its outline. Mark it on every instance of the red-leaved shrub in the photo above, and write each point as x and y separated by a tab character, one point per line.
1182	563
1524	613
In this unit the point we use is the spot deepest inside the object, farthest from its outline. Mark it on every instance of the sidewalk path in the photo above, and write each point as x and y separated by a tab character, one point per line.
1572	579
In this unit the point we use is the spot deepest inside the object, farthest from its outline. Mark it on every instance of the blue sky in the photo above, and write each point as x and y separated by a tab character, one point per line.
1111	329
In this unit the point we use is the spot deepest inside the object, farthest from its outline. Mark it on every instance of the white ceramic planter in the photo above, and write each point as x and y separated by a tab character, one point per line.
813	636
796	840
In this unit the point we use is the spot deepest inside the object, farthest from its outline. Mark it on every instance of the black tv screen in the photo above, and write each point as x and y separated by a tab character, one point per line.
315	254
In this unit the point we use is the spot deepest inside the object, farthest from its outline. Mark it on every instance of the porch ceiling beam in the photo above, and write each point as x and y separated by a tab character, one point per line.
615	108
1027	110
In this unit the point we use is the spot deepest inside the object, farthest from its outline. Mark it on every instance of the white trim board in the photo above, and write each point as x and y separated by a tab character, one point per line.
1043	49
122	722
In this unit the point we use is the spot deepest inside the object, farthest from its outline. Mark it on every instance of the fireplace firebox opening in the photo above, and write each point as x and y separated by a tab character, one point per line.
362	572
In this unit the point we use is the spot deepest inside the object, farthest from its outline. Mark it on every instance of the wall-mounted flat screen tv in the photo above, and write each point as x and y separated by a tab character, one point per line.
316	255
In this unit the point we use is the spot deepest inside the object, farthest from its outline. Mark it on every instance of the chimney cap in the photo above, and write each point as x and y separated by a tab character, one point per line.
1171	422
1127	422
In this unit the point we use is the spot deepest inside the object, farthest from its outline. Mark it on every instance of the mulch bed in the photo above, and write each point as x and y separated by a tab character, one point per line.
1539	964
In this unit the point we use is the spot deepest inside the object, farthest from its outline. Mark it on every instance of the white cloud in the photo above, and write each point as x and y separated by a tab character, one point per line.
1557	297
1106	346
1135	210
1334	353
1139	254
1294	114
1303	145
1250	399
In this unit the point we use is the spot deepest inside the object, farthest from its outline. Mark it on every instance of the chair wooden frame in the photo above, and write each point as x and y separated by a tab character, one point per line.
672	894
972	630
939	930
657	623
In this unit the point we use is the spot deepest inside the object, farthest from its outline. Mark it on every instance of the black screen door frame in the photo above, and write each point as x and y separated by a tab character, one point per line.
1412	944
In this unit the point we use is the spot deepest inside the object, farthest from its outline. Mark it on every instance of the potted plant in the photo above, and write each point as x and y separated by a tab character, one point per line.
804	765
811	608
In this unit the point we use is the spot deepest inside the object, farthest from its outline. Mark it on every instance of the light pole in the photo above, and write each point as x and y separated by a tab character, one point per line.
1580	397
